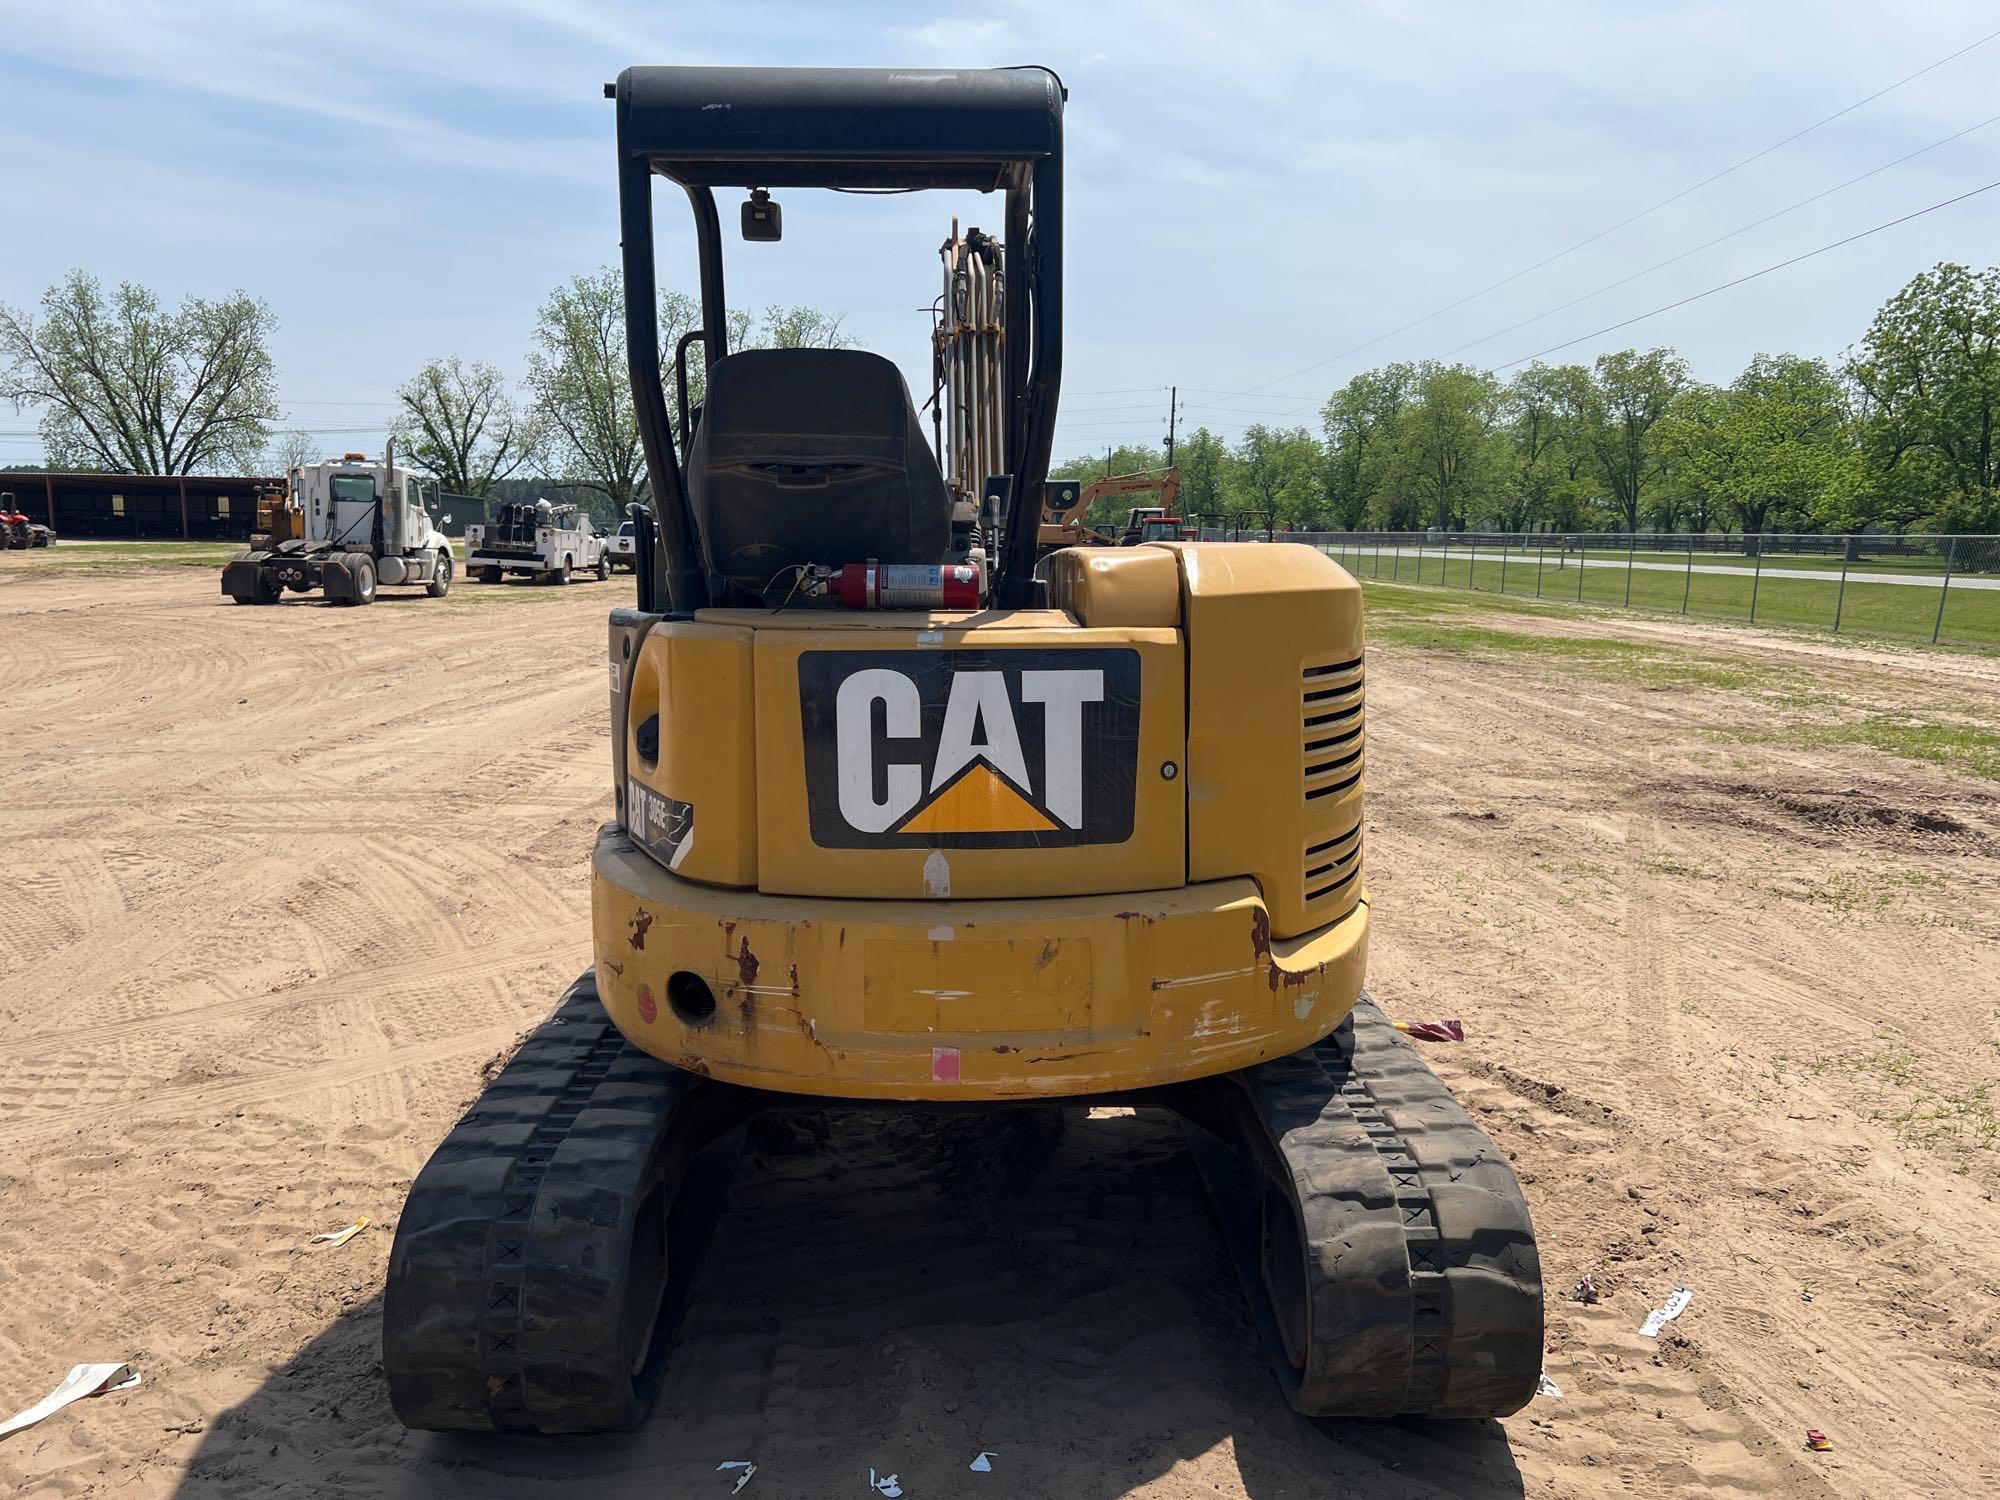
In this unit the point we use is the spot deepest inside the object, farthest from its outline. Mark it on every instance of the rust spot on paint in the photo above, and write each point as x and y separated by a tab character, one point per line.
649	1008
795	981
746	962
1260	945
1047	956
615	967
1003	1049
639	924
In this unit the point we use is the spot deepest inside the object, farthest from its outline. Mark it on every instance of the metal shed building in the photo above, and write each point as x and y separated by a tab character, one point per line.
195	507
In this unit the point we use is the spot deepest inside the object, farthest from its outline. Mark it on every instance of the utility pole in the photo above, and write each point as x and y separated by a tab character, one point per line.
1173	410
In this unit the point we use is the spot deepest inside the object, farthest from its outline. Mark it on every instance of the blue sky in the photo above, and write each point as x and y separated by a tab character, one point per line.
1253	187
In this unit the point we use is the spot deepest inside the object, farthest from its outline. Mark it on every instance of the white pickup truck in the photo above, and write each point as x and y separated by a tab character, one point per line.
550	543
625	547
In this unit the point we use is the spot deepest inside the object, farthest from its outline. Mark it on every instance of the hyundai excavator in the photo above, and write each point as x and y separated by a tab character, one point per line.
1066	508
903	819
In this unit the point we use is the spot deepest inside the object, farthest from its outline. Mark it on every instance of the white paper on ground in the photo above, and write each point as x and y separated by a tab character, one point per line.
748	1466
1547	1387
1661	1316
82	1380
983	1464
339	1236
887	1484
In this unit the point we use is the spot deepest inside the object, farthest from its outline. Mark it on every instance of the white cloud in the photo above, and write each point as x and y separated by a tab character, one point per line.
1252	186
958	42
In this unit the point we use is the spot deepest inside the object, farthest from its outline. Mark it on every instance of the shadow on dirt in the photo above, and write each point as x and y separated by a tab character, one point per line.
900	1292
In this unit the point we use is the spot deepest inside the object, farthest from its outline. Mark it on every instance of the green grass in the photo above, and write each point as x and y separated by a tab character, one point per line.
1971	616
1918	1114
128	555
1971	559
1970	748
1428	619
1927	567
1411	618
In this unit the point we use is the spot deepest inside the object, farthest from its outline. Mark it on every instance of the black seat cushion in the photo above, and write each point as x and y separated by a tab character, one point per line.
811	456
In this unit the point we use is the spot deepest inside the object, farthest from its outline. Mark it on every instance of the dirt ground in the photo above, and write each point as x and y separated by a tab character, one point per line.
277	884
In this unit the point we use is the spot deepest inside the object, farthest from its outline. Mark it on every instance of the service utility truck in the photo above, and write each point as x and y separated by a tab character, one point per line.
354	526
550	543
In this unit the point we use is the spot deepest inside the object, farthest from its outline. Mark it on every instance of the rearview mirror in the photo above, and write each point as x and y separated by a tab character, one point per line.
763	219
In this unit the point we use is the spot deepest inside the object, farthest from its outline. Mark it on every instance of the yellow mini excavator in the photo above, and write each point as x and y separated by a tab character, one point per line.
903	817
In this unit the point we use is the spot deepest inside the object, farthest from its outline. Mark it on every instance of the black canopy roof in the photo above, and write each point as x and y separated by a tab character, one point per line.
841	127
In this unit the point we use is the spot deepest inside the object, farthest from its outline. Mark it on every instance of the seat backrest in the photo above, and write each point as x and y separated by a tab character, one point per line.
811	456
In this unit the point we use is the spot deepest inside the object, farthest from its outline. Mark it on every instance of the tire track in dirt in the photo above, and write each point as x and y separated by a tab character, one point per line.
1737	944
275	940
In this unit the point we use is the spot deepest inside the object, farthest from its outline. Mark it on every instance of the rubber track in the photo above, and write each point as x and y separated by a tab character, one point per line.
1420	1292
506	1295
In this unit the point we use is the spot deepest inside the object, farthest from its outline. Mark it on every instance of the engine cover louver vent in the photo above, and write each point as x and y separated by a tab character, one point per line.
1331	736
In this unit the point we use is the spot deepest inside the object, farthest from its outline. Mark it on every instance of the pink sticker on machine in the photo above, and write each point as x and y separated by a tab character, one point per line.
944	1065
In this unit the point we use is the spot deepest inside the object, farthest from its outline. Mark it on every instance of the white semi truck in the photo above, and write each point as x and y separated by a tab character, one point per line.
550	543
346	529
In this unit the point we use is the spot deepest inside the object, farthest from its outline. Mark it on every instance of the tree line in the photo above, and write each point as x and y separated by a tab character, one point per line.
1902	433
125	385
572	425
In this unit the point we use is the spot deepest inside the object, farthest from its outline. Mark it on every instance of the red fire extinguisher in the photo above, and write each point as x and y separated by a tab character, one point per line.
870	585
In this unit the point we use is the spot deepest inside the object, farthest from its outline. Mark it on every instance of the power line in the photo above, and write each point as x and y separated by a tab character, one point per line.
1082	426
1633	218
1205	390
391	403
1752	276
1709	244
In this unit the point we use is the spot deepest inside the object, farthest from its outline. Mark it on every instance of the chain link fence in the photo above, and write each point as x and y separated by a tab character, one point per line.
1917	587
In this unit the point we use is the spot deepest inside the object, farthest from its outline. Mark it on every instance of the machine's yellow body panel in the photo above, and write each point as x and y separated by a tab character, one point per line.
1107	586
981	938
1274	741
698	679
962	999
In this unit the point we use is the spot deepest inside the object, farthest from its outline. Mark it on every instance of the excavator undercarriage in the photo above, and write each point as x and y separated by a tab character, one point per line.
912	813
548	1247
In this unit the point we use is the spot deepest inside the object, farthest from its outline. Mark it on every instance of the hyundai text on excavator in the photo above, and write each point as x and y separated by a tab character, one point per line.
900	820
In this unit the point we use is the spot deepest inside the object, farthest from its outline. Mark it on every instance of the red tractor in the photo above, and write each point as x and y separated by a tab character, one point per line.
13	524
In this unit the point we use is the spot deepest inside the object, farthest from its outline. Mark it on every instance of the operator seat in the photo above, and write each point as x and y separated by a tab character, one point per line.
810	456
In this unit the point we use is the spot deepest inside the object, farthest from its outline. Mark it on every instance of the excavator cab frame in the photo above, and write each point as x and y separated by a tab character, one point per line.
849	130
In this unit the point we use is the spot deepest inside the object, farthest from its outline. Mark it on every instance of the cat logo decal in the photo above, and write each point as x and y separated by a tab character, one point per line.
970	749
